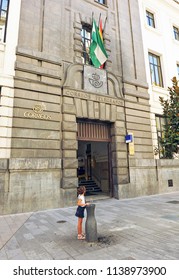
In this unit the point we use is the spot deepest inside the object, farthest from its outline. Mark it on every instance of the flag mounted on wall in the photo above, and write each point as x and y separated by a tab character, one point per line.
101	34
97	50
100	29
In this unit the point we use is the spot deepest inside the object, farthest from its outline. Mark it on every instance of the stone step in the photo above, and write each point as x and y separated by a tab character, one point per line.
90	186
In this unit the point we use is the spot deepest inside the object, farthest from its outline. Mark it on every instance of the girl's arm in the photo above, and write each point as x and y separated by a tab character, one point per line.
79	203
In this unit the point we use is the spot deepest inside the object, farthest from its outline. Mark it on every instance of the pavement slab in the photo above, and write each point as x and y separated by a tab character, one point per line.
145	228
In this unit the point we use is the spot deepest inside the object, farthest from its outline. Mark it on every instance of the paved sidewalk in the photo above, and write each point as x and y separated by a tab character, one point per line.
141	228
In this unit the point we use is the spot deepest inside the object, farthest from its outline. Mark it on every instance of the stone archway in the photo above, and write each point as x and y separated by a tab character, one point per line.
78	103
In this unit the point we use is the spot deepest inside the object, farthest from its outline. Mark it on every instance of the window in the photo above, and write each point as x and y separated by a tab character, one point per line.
0	95
86	41
150	19
155	70
176	33
4	5
178	70
160	122
101	1
1	32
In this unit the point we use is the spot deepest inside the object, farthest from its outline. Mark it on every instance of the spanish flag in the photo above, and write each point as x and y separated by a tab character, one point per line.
101	29
101	35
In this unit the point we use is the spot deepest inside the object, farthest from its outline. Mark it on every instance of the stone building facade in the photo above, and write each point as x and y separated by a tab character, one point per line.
54	116
160	29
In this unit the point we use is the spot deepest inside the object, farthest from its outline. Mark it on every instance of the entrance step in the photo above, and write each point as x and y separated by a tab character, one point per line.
91	187
97	197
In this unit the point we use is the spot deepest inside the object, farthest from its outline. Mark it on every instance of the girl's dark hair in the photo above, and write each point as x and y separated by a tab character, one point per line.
81	190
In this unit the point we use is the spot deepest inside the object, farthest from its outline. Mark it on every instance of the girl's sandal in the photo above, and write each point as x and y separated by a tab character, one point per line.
84	235
81	237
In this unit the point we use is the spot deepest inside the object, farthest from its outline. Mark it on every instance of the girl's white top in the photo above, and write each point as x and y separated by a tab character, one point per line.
82	198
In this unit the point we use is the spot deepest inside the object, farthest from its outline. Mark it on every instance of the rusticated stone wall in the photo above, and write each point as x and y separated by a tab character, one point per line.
32	184
150	177
25	184
49	96
37	106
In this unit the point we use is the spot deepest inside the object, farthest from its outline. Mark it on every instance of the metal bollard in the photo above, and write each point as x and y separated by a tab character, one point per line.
91	225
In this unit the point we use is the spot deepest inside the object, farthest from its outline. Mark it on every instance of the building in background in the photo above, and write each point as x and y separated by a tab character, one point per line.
160	28
64	122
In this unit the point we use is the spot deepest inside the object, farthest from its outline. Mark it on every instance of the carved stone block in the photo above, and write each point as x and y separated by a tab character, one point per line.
95	80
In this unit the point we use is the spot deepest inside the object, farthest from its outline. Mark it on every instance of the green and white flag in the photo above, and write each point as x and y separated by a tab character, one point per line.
97	50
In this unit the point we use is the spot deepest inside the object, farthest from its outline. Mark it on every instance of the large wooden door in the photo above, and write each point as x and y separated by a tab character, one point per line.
93	131
90	132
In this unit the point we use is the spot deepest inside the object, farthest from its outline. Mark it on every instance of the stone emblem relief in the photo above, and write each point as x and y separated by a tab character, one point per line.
78	78
39	108
95	81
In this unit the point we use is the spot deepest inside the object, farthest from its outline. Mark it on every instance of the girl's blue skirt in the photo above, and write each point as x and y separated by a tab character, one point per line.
80	212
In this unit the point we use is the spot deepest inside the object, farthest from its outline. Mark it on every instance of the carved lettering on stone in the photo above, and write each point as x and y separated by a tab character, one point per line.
97	98
37	113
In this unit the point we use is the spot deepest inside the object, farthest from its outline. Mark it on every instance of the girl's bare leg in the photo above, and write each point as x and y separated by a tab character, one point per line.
80	221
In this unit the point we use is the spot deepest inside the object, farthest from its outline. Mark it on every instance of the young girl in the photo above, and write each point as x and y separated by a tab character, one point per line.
80	210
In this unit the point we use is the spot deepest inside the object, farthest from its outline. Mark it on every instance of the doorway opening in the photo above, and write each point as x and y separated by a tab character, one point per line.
94	157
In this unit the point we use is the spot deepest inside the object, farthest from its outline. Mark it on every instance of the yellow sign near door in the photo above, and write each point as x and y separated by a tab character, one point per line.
131	146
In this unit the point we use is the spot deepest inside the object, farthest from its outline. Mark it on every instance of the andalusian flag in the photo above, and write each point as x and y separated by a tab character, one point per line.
98	53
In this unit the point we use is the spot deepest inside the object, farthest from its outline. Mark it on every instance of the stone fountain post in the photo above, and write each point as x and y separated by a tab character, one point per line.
91	225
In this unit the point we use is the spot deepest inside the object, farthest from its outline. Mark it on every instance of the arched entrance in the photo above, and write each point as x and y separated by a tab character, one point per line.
94	157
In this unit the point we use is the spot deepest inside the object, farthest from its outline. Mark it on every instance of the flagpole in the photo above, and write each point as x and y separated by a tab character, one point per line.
104	24
99	20
92	16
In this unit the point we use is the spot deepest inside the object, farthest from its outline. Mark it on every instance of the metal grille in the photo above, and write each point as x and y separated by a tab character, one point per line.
93	131
173	201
